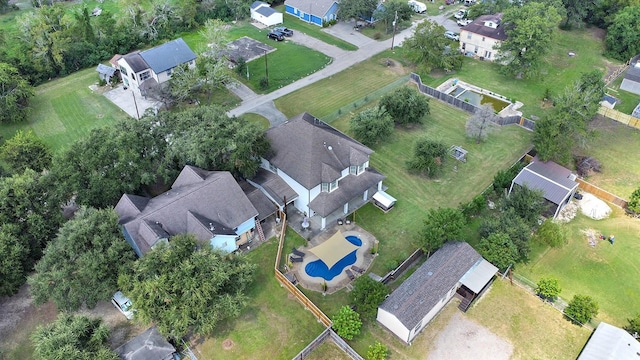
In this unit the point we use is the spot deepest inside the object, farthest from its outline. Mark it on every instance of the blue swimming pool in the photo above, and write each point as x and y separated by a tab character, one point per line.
319	269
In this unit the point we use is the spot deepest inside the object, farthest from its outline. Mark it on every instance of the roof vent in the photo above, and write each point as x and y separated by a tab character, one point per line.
211	227
430	273
329	147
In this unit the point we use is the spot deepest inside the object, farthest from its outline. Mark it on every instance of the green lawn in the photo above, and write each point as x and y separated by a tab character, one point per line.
342	89
65	109
628	101
608	273
274	325
613	144
557	71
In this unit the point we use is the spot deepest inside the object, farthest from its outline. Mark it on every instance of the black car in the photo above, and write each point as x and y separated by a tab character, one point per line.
285	31
276	35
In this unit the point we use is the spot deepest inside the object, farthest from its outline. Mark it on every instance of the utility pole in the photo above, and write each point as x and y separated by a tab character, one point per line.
133	92
266	67
395	21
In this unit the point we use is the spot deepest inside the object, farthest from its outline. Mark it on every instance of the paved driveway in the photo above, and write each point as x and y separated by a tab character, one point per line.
134	105
344	30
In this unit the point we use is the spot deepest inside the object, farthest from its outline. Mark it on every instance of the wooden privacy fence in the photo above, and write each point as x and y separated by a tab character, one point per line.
468	107
324	319
328	333
619	117
393	274
602	194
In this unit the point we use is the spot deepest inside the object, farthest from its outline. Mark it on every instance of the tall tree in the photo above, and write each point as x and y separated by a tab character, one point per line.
367	295
393	11
14	256
527	203
15	93
581	309
186	287
81	265
72	337
405	106
347	323
529	30
499	250
441	225
577	11
429	49
356	9
371	125
510	223
481	124
428	157
24	150
623	36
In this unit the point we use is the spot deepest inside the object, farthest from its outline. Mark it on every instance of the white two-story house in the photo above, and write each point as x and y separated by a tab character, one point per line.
482	36
154	66
328	170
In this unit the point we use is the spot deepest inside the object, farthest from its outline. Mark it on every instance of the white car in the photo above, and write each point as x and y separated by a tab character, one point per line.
464	22
451	35
461	14
123	304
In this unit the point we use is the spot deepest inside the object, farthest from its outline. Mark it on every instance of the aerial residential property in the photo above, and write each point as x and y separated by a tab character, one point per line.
480	37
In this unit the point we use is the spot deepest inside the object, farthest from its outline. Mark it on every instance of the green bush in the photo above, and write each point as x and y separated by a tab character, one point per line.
581	309
377	351
552	234
347	323
548	288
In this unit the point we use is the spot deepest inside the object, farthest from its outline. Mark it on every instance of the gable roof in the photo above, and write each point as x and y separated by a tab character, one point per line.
107	70
348	188
430	283
477	27
149	345
610	343
631	81
257	4
552	179
168	55
274	186
135	61
315	7
213	205
311	152
259	200
266	11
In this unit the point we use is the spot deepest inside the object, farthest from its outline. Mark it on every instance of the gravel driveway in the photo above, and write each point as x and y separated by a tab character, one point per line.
465	339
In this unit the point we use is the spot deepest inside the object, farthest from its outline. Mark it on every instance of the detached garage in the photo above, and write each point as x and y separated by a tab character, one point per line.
264	14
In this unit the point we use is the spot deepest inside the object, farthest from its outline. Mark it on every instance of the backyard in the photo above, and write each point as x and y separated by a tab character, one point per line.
608	273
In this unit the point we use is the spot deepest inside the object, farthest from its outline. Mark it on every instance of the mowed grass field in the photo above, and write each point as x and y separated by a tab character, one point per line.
608	273
557	71
273	326
65	109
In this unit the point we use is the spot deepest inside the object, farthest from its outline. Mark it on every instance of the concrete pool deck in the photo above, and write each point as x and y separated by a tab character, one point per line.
364	258
510	110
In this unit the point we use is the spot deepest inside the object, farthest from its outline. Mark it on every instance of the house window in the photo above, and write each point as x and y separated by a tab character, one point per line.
476	50
468	35
145	75
329	187
360	168
123	70
133	76
356	169
169	72
483	38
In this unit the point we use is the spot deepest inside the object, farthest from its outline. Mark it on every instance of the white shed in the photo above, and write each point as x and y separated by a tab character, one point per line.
263	13
383	200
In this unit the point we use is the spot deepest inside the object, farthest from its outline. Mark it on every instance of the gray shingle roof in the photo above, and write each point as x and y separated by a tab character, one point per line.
311	152
477	27
259	200
315	7
610	343
191	206
552	179
348	187
428	285
168	55
273	184
136	62
257	4
266	11
104	69
149	345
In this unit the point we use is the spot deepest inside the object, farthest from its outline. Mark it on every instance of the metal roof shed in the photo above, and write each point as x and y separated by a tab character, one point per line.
610	343
384	201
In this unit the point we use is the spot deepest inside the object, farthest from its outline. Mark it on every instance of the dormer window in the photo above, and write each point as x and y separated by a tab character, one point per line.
329	187
356	169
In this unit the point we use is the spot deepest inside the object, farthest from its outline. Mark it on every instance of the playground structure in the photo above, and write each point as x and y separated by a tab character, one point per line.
458	153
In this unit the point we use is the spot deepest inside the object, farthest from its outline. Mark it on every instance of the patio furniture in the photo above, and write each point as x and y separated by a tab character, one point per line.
291	277
339	221
357	269
295	259
297	252
350	274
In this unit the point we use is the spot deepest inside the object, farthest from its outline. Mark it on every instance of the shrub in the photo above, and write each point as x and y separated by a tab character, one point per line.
102	82
634	201
552	234
548	288
347	323
241	67
587	165
377	36
474	207
377	351
503	178
633	327
264	83
581	309
367	295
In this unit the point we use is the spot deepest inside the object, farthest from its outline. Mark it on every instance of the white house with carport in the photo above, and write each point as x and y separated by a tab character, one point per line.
456	269
210	205
264	14
556	182
315	12
146	69
609	342
328	170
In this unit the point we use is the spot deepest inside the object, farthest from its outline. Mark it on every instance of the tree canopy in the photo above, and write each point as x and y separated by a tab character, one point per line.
529	30
73	337
405	106
581	309
15	93
347	323
428	157
440	226
188	287
387	13
499	250
481	124
14	257
81	265
367	295
356	9
527	203
634	201
371	125
25	150
548	288
623	36
429	49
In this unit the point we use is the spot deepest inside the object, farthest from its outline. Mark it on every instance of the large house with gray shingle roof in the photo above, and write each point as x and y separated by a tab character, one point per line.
148	68
456	268
328	171
556	183
315	12
482	36
210	205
